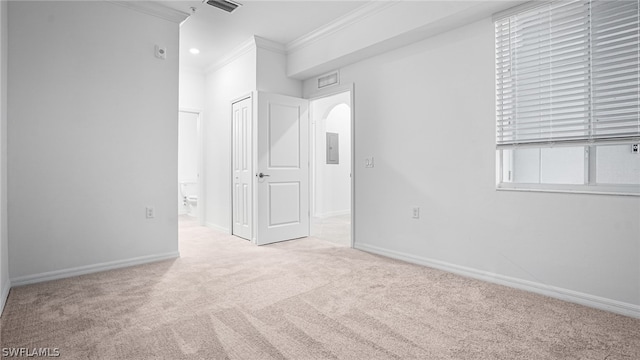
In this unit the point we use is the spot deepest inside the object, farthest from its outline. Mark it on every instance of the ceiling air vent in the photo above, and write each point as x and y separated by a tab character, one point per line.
226	5
328	80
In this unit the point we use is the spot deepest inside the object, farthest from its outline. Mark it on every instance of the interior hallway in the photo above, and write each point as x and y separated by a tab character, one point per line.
226	298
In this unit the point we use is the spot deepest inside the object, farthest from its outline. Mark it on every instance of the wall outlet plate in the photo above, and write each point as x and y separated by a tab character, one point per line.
368	162
150	212
635	148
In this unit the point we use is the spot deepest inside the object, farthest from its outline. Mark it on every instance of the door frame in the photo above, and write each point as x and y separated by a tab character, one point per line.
200	161
250	95
335	90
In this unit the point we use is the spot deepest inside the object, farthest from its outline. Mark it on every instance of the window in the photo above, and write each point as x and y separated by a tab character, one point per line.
568	96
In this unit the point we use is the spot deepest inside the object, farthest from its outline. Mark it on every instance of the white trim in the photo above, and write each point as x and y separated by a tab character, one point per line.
330	91
4	296
333	213
89	269
593	301
269	45
616	190
154	8
254	167
189	110
250	96
233	55
244	97
254	42
362	12
213	226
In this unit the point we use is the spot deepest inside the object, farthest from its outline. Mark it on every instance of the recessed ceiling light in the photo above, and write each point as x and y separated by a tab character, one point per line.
194	51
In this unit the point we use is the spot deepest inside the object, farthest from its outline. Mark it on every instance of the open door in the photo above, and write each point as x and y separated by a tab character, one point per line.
282	172
242	169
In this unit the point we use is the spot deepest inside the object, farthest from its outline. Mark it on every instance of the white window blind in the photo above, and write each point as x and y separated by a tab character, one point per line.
568	72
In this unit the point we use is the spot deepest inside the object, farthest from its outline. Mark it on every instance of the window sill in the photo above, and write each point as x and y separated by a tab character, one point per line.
572	189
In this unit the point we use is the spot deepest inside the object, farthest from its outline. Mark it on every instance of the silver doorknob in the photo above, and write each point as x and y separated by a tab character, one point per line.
261	175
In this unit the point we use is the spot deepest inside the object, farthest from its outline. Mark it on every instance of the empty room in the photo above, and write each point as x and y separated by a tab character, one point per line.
303	179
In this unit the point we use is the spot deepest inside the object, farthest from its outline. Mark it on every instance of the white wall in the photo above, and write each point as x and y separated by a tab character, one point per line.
93	138
380	26
272	75
188	147
332	187
222	86
426	113
191	89
252	68
4	243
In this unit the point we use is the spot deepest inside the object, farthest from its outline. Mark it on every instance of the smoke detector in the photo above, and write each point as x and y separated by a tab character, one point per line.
226	5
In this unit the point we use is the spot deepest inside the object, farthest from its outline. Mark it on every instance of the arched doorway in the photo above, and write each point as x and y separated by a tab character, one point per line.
331	168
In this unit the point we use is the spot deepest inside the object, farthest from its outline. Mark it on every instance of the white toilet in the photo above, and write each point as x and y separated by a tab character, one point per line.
189	193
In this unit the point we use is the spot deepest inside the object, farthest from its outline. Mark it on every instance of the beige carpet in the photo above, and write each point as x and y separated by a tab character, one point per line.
304	299
334	229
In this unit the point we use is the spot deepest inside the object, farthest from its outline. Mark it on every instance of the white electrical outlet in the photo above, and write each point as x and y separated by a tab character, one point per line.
368	162
635	148
150	212
416	213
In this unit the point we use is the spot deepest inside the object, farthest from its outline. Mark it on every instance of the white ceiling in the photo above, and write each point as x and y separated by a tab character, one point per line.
215	32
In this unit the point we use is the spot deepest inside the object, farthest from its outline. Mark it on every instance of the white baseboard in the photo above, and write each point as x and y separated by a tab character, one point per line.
593	301
4	295
218	228
88	269
333	213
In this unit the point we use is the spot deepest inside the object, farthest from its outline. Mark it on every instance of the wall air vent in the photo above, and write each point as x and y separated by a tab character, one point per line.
328	80
226	5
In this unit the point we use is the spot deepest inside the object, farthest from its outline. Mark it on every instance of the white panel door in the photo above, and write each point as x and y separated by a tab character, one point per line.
283	168
242	168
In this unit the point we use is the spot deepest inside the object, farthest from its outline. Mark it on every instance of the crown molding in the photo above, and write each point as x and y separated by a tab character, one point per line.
270	45
253	42
234	54
154	8
368	9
